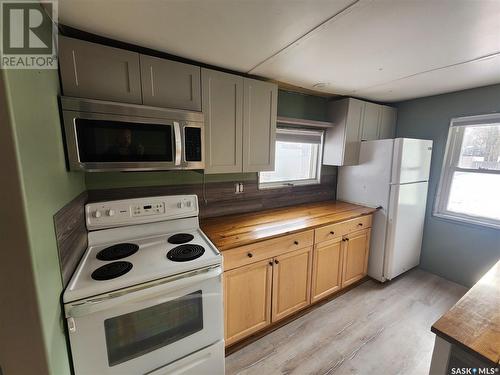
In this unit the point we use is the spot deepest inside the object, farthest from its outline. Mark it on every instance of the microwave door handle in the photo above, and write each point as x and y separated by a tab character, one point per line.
178	143
146	292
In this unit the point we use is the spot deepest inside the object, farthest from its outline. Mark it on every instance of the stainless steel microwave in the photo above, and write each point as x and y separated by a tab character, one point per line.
109	136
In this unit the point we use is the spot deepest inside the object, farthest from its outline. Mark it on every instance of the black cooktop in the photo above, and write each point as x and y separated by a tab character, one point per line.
180	238
118	251
185	253
111	270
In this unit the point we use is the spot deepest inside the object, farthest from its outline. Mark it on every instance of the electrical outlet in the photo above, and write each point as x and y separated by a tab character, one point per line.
238	187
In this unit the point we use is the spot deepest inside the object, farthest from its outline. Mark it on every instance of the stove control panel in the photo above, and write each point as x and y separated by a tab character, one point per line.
140	211
154	208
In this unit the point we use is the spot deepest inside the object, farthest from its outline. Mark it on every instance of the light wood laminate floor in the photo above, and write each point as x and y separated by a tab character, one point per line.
373	329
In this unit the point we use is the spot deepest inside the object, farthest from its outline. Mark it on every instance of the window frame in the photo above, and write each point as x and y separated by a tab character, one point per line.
303	182
450	166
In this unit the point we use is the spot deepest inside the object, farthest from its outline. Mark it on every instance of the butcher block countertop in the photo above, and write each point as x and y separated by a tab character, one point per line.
474	322
227	232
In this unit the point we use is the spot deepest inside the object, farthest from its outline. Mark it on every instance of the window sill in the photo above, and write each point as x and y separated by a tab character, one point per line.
281	185
466	220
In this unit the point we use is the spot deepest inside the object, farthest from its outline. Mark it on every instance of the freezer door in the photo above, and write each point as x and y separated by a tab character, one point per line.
405	228
411	160
368	182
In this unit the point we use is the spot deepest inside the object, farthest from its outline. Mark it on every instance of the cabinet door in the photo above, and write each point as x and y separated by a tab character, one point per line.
94	71
387	125
355	263
260	101
371	115
341	143
170	84
222	103
327	268
291	282
247	300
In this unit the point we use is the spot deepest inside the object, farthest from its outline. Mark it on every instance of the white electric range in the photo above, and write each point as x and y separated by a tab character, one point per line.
146	297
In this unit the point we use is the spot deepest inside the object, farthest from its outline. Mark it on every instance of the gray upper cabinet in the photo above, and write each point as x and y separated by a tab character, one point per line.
370	123
222	103
355	121
387	123
170	84
95	71
342	141
259	125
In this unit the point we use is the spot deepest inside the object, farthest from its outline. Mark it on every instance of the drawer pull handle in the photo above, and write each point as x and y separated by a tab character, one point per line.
276	261
344	239
270	263
332	232
296	242
249	255
360	224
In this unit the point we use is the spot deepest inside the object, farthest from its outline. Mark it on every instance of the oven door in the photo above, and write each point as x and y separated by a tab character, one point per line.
139	330
107	142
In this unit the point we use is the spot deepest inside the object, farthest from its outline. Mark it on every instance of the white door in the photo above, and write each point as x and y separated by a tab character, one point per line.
405	227
222	105
259	125
387	123
411	161
368	182
371	117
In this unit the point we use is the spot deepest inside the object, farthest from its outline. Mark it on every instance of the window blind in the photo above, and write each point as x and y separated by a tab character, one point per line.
299	136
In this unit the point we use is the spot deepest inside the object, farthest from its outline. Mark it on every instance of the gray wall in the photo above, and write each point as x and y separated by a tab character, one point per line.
458	252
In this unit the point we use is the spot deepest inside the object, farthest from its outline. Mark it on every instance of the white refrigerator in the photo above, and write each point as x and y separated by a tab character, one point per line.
392	174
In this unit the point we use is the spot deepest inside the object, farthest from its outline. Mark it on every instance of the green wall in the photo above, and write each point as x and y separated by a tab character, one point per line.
290	104
32	97
456	251
294	104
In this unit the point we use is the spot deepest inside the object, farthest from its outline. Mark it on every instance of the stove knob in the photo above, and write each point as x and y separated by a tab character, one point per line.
188	203
110	212
97	214
180	205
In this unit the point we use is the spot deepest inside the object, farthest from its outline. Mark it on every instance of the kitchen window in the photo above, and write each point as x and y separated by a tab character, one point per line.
469	188
297	159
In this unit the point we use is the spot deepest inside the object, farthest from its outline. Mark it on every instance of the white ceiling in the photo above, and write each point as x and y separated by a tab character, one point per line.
385	50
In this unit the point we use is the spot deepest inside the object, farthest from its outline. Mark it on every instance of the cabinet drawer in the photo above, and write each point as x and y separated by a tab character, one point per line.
247	254
341	229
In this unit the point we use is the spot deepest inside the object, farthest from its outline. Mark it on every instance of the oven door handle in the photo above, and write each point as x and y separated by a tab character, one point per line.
178	143
143	292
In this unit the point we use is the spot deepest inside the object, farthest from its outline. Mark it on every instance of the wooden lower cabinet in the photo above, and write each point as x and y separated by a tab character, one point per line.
291	282
267	290
327	268
247	300
356	249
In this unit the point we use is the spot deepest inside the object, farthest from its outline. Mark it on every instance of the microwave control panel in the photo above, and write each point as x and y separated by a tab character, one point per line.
139	211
